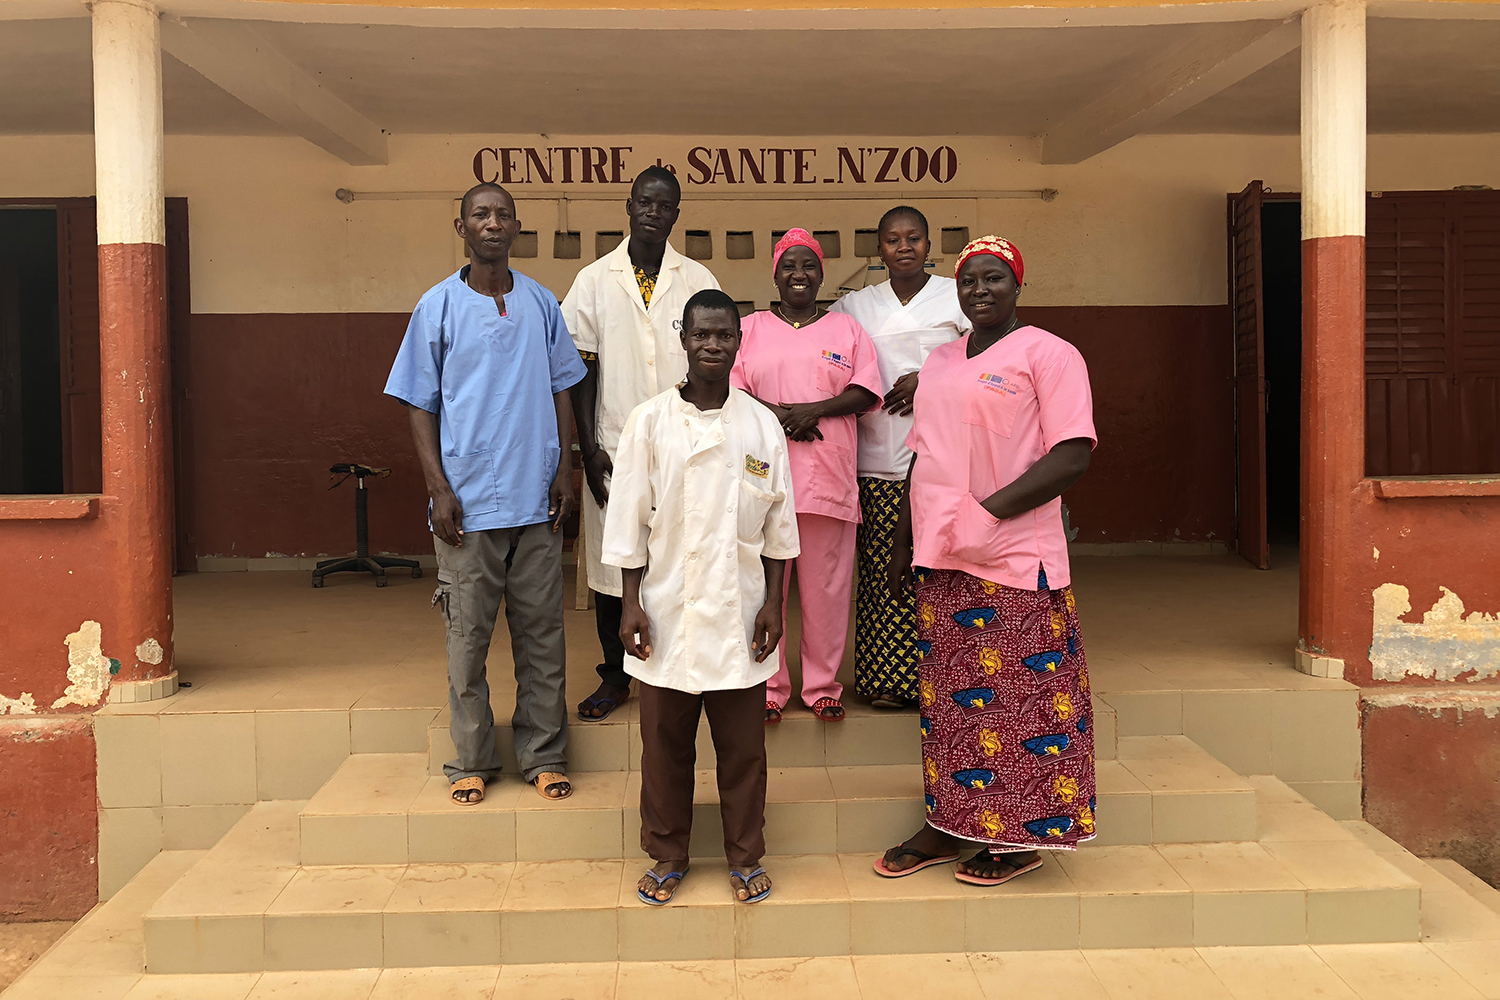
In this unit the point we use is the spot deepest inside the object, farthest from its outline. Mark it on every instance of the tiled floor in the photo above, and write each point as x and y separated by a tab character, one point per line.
269	640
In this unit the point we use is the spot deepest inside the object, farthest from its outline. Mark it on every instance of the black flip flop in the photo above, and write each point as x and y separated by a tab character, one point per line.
595	701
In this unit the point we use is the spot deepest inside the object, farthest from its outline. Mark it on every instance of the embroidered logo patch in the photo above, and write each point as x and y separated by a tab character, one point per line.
998	383
840	360
756	467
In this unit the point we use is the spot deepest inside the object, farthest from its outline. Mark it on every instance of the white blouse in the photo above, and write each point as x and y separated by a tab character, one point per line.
903	336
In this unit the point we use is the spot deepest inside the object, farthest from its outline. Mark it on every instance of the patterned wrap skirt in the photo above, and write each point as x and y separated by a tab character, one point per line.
885	631
1007	726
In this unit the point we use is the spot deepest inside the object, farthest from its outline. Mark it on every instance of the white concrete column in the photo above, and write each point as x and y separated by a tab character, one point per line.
1333	119
128	146
1333	335
134	398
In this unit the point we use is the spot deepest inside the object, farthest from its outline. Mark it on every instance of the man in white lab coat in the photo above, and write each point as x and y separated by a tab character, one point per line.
625	314
702	521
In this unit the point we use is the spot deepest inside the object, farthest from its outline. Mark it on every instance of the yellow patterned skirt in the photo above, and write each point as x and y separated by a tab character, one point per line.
885	631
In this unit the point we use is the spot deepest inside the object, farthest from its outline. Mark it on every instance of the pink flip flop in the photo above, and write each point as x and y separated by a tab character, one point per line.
1016	870
924	860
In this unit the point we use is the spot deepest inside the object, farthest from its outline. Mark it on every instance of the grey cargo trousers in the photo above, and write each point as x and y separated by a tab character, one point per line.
523	568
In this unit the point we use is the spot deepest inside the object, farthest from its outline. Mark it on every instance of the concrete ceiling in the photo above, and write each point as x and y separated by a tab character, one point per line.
47	87
1425	76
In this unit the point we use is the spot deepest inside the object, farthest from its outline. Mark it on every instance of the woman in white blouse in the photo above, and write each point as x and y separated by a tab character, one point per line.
907	317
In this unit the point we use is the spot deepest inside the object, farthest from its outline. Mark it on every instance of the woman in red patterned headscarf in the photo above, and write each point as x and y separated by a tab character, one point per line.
1004	424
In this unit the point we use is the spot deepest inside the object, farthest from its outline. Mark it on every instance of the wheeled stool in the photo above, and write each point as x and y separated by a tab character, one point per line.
363	562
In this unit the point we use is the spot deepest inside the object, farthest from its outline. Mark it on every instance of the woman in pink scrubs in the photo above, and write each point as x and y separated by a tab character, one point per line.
816	370
1004	424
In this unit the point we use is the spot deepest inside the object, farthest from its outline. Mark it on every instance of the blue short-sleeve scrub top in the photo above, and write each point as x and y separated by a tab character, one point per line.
490	379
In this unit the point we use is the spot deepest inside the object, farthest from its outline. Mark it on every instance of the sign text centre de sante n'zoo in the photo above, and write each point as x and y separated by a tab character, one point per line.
720	165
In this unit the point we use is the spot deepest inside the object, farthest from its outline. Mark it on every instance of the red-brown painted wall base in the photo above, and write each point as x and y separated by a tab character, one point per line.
49	827
1164	410
134	404
61	575
275	399
1432	780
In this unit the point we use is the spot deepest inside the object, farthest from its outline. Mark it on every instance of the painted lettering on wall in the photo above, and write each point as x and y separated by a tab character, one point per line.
720	165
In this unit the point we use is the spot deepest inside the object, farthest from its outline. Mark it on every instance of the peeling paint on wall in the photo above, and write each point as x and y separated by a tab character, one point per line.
1447	645
150	652
24	705
89	670
1435	701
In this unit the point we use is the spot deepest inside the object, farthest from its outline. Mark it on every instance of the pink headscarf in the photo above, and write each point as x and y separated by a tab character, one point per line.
994	246
795	238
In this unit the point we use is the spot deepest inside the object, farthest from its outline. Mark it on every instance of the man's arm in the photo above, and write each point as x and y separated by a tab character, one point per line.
635	628
596	462
447	515
562	484
767	630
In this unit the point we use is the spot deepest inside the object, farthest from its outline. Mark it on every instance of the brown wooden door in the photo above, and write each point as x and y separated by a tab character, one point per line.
78	329
1246	295
12	420
179	319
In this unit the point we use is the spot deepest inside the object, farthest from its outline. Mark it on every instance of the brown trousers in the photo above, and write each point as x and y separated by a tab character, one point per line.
669	731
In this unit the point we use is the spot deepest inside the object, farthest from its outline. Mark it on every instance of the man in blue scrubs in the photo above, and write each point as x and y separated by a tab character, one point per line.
485	370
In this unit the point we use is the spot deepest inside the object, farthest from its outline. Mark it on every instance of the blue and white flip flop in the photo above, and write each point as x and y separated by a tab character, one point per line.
745	879
650	899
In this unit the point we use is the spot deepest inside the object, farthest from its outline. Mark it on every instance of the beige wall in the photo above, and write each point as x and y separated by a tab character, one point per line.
1142	224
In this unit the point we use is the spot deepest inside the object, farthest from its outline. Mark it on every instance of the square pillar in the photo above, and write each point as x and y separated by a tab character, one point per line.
130	185
1333	325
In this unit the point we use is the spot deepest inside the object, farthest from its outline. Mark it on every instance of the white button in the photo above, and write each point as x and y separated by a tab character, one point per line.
650	361
729	510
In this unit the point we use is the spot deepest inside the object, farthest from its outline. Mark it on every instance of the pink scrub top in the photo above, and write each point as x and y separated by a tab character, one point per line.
778	363
980	423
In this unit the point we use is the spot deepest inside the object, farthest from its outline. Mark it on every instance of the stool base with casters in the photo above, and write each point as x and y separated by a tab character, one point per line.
363	562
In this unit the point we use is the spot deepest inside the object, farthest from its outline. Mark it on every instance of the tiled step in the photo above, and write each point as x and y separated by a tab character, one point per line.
865	736
386	809
247	906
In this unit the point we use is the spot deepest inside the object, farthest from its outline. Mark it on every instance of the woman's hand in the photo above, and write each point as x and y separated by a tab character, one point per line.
900	399
800	420
595	468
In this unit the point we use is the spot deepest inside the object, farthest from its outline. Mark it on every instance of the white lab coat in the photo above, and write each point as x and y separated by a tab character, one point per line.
903	336
640	355
698	499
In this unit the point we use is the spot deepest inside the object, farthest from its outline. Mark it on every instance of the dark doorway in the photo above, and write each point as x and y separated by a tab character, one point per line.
1281	269
31	431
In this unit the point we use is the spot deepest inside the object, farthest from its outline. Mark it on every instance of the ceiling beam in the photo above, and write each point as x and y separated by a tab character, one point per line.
244	62
1185	75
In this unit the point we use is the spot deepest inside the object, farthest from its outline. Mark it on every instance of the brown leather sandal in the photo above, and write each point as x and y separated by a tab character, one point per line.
461	788
548	780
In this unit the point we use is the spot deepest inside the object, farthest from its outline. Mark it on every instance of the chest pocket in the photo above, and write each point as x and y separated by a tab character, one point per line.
992	402
754	504
833	373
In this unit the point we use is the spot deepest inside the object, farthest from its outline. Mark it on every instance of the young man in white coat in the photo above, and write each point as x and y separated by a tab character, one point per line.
625	313
702	522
